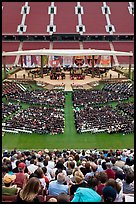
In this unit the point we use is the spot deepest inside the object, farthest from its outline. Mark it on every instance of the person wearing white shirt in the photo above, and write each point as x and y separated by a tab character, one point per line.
32	167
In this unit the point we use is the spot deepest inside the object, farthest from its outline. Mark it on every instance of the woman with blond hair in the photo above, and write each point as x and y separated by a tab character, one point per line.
79	182
30	191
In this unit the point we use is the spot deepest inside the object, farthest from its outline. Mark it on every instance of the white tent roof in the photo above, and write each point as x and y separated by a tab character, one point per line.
67	52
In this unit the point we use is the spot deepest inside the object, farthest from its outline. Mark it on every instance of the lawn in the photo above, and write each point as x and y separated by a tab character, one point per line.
70	139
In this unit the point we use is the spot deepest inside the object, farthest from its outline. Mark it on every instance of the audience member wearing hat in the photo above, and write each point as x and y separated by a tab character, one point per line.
109	194
8	188
21	177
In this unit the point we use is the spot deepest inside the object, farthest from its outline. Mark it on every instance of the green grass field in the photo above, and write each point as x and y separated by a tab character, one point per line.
70	139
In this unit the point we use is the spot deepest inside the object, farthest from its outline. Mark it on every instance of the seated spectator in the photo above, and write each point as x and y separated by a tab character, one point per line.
21	177
118	187
8	188
63	197
70	167
15	170
50	172
99	166
32	167
45	177
56	187
4	170
119	162
88	194
114	167
102	178
79	182
30	191
109	194
128	183
110	173
60	165
40	162
40	174
88	168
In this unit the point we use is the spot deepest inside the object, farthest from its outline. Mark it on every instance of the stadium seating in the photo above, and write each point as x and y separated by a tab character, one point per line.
125	47
96	45
38	18
93	19
66	45
8	47
11	17
35	45
65	19
120	17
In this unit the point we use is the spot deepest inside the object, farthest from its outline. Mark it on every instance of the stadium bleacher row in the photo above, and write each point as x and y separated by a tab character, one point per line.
91	16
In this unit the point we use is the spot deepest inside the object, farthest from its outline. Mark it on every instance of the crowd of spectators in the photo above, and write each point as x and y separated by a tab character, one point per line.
38	119
8	109
127	108
68	175
105	118
10	88
120	88
84	97
40	97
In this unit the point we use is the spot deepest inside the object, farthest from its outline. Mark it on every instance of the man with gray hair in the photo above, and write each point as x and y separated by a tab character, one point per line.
57	186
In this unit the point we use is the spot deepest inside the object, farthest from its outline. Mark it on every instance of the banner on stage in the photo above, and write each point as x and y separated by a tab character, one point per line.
105	61
54	61
38	60
67	61
28	61
79	61
45	60
89	60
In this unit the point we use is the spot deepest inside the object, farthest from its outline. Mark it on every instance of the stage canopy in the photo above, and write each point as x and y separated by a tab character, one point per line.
67	52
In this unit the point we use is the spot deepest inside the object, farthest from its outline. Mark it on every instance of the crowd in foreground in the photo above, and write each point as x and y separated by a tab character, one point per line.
68	175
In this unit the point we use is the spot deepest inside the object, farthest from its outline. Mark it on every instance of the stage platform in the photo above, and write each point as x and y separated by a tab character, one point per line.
67	82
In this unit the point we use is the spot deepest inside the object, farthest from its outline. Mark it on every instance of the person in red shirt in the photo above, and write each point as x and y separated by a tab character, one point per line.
21	177
102	178
110	173
45	177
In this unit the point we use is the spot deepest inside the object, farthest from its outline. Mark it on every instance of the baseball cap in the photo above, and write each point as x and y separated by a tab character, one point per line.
109	193
8	178
21	165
